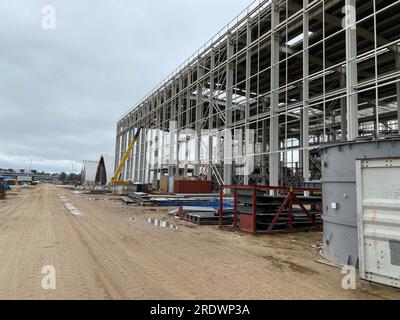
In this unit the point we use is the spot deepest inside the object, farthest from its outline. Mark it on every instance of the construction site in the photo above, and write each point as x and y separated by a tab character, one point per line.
265	167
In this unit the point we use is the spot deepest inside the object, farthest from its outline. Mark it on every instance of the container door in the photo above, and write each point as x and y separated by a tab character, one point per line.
378	207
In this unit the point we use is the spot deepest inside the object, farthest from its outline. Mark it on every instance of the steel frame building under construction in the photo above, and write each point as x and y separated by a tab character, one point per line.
295	73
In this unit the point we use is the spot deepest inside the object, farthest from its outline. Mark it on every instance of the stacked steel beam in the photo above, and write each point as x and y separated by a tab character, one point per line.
267	207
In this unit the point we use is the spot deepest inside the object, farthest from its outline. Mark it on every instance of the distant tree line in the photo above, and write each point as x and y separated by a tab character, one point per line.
72	177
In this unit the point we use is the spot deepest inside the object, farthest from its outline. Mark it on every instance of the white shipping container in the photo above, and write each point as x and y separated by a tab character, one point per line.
24	179
378	209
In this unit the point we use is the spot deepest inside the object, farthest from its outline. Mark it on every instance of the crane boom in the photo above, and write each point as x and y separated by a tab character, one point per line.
114	179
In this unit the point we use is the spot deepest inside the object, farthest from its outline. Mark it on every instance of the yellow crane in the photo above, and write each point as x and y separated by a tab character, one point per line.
115	179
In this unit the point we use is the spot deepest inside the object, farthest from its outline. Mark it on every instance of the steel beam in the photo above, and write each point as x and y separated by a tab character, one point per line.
136	154
199	117
188	120
172	141
306	94
221	87
343	107
211	116
274	120
397	53
159	138
351	72
248	97
228	110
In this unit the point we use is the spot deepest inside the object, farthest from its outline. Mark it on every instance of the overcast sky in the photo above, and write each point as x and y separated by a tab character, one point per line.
62	91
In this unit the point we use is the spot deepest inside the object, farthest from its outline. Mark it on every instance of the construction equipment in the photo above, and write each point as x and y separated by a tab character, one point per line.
4	187
115	180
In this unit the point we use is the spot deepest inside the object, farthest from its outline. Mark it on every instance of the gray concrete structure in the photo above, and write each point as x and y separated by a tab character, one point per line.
297	72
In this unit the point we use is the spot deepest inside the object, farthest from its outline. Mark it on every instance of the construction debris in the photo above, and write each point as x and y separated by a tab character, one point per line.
127	200
100	190
198	200
257	210
202	215
162	224
207	218
175	212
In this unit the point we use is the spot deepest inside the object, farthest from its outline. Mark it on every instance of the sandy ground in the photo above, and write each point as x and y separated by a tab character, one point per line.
110	251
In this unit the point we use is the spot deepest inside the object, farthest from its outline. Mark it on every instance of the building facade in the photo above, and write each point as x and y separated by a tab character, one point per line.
88	172
281	79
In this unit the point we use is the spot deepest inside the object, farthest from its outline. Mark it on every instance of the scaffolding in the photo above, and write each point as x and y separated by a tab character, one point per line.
278	81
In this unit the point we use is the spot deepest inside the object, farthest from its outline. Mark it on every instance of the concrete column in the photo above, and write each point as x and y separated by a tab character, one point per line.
351	73
306	94
274	121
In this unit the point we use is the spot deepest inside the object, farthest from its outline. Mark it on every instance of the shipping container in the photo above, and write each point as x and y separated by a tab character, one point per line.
378	210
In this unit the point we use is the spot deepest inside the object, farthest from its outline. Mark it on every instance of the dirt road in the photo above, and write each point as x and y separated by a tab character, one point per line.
101	249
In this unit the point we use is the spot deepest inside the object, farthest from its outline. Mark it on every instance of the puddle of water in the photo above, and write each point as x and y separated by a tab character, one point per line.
75	211
77	193
162	224
64	199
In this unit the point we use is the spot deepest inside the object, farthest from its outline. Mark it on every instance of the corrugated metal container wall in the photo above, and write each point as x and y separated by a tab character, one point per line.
378	194
339	194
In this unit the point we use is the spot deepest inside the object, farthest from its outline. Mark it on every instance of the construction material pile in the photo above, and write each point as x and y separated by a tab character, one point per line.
267	208
196	208
209	200
203	215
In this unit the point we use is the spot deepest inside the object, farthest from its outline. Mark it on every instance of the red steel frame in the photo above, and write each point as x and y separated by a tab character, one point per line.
289	201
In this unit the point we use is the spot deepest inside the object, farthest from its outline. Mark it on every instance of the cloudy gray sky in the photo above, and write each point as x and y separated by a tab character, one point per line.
62	91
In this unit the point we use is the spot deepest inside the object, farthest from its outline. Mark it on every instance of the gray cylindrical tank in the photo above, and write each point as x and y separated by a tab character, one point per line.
339	194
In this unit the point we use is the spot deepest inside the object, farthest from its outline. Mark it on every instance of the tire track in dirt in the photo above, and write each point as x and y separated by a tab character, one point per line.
104	254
